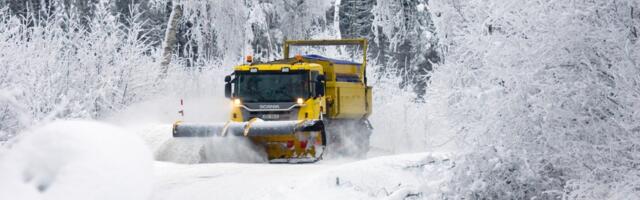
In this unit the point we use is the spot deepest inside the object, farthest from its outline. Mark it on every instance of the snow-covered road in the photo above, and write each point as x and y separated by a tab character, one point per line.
386	177
378	177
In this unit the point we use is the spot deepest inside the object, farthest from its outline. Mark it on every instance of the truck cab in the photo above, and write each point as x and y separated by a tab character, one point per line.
277	91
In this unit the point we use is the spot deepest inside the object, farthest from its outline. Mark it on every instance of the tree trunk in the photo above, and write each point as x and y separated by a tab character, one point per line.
170	38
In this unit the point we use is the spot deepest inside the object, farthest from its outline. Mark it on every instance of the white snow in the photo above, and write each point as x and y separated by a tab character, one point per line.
417	175
76	160
91	160
388	177
209	150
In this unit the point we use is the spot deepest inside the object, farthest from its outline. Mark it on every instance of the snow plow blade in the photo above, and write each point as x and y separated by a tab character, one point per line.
292	141
256	128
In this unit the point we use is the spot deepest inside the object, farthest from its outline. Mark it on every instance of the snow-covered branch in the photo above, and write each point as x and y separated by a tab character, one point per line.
543	96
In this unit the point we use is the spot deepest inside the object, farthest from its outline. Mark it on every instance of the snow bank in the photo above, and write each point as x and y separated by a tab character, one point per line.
76	160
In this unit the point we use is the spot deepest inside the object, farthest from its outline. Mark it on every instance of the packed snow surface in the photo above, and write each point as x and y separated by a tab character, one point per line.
387	177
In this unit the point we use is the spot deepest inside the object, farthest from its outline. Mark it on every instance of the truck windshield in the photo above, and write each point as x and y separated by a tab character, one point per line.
272	86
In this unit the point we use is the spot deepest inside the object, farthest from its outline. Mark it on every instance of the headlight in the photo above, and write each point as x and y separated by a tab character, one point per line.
237	102
300	101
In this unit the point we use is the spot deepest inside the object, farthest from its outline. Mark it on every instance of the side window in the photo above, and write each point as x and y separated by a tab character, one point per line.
313	79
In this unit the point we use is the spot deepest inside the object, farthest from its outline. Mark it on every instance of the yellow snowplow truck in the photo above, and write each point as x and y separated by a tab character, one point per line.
297	108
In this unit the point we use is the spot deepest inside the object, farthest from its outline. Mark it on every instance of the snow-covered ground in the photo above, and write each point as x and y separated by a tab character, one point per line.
387	177
378	177
92	160
76	160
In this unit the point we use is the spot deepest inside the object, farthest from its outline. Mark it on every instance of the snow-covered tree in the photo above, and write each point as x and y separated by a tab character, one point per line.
58	67
404	41
542	95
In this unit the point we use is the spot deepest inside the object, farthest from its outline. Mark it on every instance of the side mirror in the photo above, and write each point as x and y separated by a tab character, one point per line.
227	86
320	85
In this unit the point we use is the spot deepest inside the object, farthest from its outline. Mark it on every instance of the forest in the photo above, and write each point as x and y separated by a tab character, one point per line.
534	99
